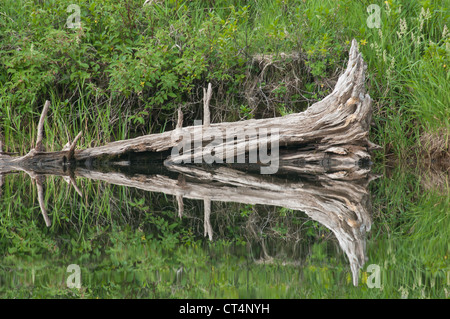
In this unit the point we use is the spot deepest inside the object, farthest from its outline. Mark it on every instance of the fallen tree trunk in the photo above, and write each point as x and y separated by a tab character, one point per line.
331	133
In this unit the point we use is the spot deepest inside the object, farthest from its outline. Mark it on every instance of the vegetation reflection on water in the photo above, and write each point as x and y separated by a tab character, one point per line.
132	243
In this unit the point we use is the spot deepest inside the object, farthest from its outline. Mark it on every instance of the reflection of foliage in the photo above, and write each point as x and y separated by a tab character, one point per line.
149	216
130	243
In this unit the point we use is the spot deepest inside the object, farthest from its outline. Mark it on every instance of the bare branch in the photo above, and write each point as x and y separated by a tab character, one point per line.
207	221
40	135
180	205
73	145
40	188
373	146
71	181
206	99
180	118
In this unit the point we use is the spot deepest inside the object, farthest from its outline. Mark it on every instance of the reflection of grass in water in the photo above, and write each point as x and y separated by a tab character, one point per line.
410	236
129	243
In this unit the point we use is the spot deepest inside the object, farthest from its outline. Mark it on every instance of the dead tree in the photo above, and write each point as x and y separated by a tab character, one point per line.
331	133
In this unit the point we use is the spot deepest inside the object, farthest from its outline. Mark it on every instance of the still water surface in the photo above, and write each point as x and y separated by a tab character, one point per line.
147	231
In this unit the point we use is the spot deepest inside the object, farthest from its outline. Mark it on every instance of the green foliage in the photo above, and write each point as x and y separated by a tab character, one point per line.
150	57
245	112
323	55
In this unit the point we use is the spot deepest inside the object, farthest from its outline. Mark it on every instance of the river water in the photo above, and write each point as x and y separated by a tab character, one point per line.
142	230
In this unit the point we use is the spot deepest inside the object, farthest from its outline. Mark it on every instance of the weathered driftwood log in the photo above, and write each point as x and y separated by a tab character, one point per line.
331	134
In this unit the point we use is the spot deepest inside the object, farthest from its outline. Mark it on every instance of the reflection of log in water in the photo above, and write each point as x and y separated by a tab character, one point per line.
341	206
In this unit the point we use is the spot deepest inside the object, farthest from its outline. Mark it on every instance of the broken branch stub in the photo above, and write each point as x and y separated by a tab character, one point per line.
73	146
37	162
207	94
179	119
40	134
